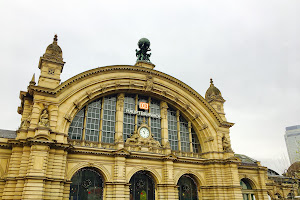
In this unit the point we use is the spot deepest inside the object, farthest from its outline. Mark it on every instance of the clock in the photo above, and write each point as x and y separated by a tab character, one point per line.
144	132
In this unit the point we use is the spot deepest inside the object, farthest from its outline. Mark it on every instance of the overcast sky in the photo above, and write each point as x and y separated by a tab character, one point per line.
251	49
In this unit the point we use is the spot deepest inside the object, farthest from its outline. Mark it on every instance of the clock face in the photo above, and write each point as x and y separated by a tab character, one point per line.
144	132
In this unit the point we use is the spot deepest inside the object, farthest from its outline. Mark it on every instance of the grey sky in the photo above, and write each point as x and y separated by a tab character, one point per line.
250	48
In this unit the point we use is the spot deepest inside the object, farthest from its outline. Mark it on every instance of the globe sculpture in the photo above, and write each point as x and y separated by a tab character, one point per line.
144	45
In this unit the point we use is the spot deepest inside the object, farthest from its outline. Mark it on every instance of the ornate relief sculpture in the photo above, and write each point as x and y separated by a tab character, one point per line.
25	123
143	137
44	118
120	101
226	145
149	83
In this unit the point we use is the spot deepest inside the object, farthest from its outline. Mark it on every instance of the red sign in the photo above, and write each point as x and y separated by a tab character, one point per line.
144	106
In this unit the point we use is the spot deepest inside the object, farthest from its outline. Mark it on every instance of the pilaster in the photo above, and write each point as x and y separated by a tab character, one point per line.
164	123
119	121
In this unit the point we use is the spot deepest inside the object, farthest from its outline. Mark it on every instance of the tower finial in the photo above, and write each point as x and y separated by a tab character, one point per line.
32	82
211	81
55	38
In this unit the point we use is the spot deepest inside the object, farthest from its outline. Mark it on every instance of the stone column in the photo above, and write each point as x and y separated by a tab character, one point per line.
164	124
35	180
119	186
13	172
119	122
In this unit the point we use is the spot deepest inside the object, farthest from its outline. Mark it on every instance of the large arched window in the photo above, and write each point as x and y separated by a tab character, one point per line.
87	183
247	191
182	136
96	121
187	188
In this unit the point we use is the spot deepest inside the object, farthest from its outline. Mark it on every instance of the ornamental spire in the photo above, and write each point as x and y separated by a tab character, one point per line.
32	82
55	39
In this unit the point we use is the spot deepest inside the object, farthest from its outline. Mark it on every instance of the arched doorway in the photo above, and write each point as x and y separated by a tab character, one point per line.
87	184
247	191
142	186
187	188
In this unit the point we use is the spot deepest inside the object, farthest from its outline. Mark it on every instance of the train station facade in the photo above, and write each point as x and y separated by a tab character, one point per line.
125	132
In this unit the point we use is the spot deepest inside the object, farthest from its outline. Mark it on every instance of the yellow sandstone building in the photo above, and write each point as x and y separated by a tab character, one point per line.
126	133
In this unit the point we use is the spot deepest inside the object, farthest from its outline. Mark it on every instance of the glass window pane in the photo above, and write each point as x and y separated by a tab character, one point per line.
93	121
184	135
172	129
155	122
128	121
195	142
76	127
108	123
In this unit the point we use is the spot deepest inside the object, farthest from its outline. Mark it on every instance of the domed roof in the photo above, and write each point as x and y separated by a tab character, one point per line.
213	92
53	51
294	168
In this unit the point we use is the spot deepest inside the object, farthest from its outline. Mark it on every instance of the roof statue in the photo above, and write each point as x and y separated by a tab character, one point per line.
144	45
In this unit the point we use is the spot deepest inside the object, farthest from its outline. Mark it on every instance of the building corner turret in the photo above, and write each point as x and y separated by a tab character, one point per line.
51	65
215	99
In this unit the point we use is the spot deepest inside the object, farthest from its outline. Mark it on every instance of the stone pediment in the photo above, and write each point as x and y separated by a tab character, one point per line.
170	157
123	152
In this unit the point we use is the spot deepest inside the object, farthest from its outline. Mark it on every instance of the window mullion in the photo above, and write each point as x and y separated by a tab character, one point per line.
178	129
190	136
149	111
84	123
136	117
101	120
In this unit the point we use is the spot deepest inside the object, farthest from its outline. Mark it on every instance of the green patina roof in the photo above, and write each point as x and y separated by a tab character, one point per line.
246	159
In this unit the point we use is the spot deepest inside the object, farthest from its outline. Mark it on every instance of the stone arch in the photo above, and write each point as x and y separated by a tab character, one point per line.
76	92
251	181
102	170
200	180
155	175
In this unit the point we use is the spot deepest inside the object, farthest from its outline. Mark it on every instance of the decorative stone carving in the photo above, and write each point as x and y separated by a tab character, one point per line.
167	145
136	139
164	110
176	98
44	118
204	126
149	83
226	144
117	84
120	101
67	117
89	94
25	123
187	106
209	139
77	104
119	139
196	116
